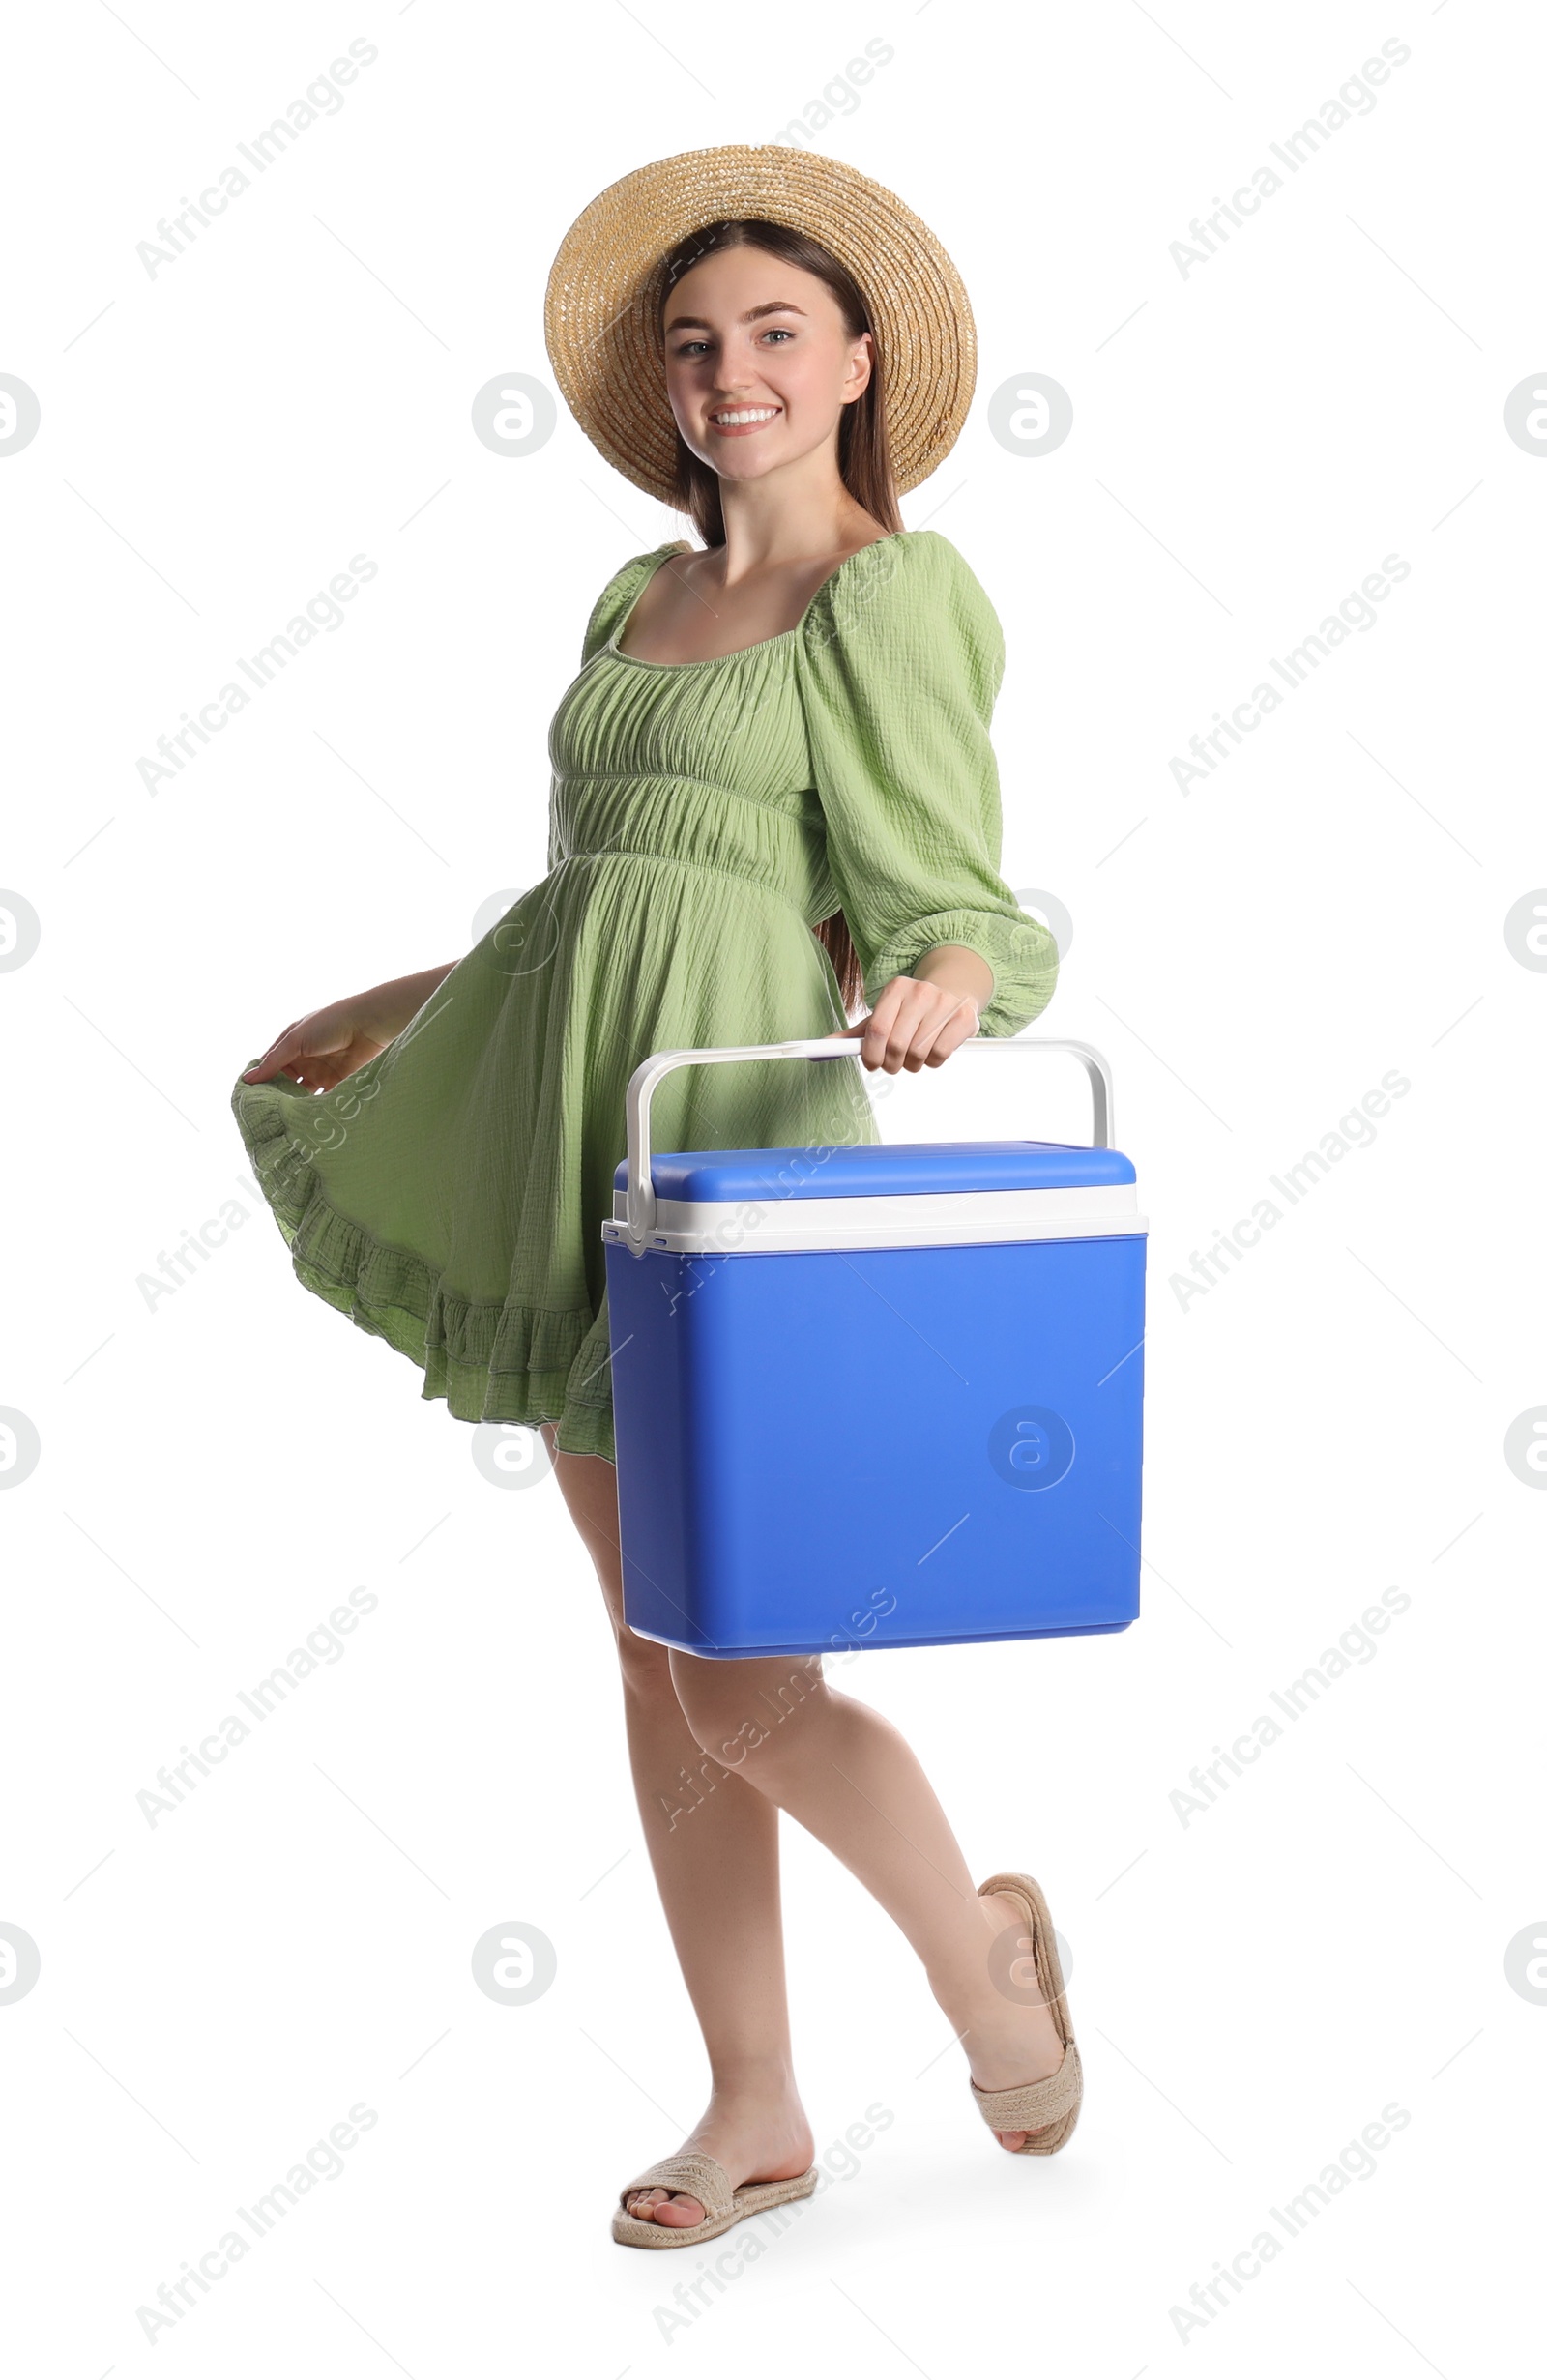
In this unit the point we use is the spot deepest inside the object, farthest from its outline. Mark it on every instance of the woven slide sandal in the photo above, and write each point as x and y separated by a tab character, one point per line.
1055	2100
704	2178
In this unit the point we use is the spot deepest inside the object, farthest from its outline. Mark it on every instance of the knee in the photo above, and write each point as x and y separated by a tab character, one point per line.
644	1666
742	1712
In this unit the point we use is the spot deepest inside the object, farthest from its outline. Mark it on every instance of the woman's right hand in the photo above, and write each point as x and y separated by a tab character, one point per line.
318	1051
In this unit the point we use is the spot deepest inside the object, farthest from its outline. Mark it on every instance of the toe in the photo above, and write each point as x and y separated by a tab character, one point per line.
657	2205
680	2212
1009	2141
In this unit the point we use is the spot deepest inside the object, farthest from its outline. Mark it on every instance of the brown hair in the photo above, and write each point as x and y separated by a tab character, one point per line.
864	463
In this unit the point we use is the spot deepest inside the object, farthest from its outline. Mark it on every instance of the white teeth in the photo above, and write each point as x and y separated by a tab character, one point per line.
750	413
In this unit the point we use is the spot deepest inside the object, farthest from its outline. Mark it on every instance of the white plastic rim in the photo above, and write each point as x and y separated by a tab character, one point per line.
640	1224
924	1219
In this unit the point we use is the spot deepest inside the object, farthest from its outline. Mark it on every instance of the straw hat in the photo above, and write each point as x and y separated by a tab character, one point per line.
602	313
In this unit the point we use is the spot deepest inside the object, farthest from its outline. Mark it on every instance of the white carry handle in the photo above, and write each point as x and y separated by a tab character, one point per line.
641	1198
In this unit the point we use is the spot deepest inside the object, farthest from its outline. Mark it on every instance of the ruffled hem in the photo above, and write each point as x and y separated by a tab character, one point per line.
491	1362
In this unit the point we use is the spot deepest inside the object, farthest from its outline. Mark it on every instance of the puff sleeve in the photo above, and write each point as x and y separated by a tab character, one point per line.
900	661
620	594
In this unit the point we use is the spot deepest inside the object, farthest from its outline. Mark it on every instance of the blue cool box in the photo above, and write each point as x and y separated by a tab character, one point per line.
877	1394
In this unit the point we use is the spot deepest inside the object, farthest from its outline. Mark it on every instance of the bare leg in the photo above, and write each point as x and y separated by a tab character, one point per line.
851	1779
756	1736
713	1847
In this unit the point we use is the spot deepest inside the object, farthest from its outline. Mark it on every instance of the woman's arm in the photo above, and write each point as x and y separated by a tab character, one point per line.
319	1050
961	971
897	666
396	1004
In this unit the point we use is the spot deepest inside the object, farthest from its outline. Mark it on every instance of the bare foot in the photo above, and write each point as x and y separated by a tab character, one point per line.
756	2129
1009	2042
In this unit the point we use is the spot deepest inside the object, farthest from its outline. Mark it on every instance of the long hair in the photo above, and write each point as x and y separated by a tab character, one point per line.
865	460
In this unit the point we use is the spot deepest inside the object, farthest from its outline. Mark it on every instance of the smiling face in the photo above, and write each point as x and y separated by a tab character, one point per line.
759	366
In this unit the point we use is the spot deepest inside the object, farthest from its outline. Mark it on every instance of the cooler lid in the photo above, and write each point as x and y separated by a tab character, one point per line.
898	1168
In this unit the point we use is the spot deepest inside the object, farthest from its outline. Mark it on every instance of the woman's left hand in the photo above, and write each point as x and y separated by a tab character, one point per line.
913	1024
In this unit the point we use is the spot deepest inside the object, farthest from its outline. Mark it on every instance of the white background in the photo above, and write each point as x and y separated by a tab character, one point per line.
1327	1421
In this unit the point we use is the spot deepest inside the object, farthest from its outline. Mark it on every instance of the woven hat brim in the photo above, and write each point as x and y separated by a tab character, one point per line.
600	315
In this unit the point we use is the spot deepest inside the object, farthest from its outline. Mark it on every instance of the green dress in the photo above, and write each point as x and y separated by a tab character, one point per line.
704	816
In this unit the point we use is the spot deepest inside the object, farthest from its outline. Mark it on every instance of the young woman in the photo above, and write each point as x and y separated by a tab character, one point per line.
773	797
